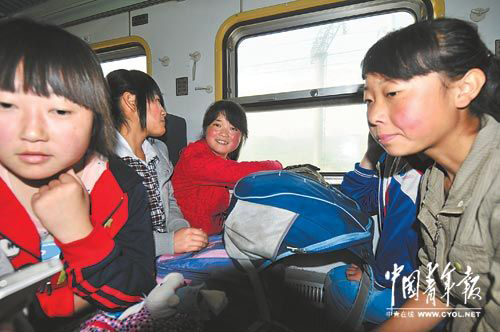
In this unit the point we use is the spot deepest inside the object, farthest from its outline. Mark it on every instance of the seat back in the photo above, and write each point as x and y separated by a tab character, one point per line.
175	137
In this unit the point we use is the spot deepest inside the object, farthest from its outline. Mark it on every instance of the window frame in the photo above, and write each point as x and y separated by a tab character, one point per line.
120	46
293	15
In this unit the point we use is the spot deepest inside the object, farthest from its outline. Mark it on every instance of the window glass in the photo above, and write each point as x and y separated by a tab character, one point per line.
332	138
137	63
123	55
324	55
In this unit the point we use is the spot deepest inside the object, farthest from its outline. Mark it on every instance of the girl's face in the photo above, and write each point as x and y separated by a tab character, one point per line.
408	117
41	136
222	137
155	118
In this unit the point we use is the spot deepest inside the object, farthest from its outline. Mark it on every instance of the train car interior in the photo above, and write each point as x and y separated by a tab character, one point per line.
295	68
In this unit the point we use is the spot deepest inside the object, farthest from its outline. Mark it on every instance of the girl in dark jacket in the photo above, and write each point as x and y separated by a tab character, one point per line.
59	186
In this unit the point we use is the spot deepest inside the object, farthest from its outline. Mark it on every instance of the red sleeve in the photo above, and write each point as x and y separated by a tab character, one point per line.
114	266
88	251
205	168
114	273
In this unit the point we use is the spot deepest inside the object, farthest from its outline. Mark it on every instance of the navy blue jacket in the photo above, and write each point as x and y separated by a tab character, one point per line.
391	193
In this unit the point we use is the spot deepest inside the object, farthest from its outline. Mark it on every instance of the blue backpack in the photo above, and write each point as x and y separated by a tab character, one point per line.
278	214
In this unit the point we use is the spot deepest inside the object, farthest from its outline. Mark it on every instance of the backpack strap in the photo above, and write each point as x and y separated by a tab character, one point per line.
266	323
264	310
353	320
356	315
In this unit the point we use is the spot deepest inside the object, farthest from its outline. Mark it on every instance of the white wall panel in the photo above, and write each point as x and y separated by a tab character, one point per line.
176	29
102	29
255	4
489	27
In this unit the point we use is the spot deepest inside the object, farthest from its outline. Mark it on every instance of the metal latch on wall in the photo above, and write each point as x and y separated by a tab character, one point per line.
195	56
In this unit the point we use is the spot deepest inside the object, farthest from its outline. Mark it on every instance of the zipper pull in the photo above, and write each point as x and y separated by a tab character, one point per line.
46	288
296	250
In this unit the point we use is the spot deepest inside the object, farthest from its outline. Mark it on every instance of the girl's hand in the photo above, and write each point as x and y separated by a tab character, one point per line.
353	273
63	208
189	239
372	154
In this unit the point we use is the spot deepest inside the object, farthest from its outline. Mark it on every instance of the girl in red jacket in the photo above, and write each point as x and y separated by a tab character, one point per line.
60	187
208	168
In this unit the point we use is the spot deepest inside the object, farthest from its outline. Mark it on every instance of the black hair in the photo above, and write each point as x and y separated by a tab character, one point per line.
234	113
138	83
55	61
447	46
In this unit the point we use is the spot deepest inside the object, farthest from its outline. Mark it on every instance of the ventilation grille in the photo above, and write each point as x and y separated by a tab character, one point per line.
306	285
310	292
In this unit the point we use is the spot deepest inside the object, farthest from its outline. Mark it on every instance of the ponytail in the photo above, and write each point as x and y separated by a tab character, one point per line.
488	100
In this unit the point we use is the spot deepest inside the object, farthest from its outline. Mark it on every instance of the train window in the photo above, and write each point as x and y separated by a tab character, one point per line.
297	73
320	56
124	53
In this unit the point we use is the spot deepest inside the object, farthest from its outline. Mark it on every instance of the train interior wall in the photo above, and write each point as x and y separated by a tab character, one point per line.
178	28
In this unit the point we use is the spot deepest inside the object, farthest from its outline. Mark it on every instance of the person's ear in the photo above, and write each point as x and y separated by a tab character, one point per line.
469	87
128	102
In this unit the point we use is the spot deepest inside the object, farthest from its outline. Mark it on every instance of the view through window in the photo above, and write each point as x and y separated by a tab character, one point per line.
313	57
137	63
